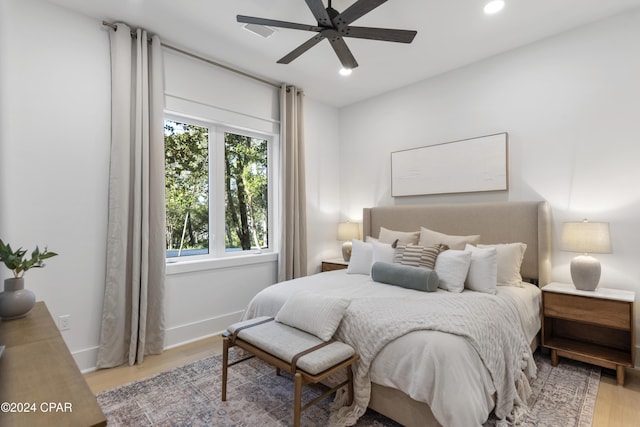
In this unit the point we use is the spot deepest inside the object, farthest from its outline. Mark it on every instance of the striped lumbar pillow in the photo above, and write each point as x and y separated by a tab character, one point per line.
417	255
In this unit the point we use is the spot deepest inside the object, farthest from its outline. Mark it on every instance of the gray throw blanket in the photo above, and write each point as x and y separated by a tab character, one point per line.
488	323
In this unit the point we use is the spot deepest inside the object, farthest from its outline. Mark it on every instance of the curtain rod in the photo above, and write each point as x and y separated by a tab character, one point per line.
207	60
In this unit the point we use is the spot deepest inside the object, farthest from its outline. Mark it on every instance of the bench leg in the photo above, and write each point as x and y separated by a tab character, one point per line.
297	399
225	362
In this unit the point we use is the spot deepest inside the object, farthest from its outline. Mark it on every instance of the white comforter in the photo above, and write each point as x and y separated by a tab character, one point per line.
440	369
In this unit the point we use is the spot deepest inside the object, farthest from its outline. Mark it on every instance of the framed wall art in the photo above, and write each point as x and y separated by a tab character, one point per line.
464	166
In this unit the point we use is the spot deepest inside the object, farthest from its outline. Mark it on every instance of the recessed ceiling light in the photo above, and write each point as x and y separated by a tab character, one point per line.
345	71
494	6
259	30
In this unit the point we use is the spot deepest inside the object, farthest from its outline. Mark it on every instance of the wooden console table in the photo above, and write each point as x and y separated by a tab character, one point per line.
40	383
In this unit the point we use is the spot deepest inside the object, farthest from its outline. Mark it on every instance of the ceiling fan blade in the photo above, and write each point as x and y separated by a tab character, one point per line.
340	47
355	11
301	49
319	12
383	34
274	23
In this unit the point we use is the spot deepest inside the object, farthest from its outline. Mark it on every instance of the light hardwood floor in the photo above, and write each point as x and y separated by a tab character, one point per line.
106	379
616	406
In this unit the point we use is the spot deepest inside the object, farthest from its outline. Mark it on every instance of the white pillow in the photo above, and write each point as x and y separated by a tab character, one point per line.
382	252
361	257
483	271
430	238
316	314
452	267
390	236
510	256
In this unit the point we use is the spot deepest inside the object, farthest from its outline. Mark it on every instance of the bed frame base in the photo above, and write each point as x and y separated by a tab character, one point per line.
394	404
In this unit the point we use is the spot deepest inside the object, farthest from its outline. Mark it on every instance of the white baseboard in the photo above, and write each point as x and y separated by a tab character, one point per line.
174	337
190	332
86	359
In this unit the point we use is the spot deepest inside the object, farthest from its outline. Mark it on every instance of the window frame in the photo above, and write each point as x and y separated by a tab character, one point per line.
216	152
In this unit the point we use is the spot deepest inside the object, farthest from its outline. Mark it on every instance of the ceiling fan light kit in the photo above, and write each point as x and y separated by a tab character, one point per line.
335	26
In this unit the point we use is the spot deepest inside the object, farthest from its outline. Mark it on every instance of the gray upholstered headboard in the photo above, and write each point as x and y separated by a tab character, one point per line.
499	222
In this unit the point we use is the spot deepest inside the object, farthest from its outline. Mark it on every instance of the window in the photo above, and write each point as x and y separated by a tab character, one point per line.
246	192
187	188
217	184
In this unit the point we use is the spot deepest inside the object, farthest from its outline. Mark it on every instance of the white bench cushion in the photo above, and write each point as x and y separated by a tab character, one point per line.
284	342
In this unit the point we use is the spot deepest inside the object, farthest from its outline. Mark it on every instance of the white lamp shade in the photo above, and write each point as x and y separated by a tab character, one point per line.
348	231
586	237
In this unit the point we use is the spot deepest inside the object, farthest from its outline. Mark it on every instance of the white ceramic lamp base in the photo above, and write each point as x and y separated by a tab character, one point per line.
585	272
346	250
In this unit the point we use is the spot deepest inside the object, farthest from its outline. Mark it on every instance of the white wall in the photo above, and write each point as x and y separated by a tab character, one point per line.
54	160
570	105
321	125
55	149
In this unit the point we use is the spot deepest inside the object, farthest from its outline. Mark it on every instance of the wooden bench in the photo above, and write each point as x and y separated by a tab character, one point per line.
308	358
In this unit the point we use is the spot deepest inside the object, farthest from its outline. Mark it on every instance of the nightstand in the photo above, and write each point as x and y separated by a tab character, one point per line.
334	264
595	327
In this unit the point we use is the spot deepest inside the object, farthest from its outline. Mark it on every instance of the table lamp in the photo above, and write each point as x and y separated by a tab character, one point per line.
346	232
588	238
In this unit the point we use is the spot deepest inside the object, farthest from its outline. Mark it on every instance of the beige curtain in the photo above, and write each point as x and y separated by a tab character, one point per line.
133	308
293	241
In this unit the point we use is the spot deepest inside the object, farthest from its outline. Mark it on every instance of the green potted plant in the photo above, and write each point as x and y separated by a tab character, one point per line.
16	301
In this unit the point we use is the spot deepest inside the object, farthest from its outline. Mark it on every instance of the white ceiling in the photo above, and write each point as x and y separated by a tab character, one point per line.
451	33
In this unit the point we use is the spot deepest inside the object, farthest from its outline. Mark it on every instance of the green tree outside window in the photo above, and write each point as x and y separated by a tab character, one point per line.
188	186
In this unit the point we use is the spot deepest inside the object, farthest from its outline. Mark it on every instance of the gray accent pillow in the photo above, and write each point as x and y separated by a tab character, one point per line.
406	276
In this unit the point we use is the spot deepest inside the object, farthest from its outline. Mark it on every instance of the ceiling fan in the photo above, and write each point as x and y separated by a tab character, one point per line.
334	26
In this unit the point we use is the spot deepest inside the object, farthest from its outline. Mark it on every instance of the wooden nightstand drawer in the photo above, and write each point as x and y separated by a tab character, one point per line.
614	314
334	264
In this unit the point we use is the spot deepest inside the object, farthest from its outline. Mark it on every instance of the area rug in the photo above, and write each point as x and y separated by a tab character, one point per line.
190	396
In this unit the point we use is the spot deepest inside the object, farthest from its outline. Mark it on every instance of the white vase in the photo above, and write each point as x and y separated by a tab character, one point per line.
15	301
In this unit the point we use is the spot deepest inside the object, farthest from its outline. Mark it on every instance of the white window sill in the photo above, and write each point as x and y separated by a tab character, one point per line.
187	266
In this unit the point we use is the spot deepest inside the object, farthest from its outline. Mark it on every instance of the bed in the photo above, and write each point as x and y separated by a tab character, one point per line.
434	376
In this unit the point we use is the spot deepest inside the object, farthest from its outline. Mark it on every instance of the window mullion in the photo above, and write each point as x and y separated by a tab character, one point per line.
219	191
213	191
